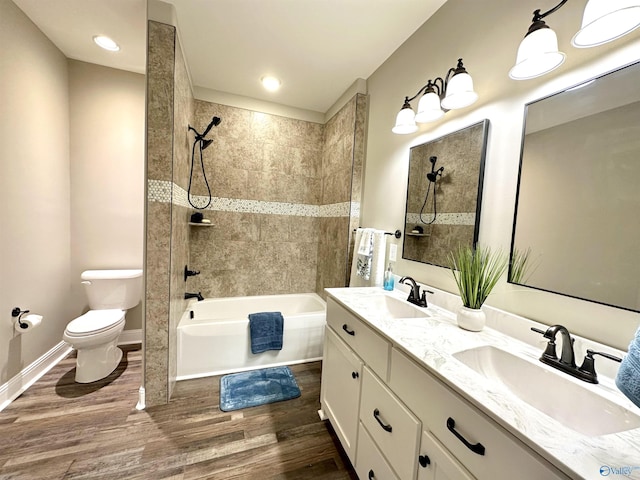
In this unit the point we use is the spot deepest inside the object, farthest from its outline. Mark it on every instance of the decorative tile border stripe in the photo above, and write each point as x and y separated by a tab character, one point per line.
445	218
160	191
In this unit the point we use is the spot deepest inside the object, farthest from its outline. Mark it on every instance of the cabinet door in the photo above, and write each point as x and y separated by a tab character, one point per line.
435	463
341	375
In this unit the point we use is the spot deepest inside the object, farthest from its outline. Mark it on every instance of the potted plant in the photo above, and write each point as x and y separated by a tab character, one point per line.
476	271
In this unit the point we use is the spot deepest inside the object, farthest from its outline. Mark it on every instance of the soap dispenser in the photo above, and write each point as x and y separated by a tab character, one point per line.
388	278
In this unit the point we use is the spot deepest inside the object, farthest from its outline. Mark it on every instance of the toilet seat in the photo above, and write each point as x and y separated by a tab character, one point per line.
94	322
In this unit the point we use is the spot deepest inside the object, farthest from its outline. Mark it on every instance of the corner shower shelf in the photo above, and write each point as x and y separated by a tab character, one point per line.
198	224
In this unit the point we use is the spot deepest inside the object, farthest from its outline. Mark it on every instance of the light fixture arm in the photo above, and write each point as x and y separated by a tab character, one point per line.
537	16
537	23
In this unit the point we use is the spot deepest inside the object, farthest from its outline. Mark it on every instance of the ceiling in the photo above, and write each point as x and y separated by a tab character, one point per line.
317	48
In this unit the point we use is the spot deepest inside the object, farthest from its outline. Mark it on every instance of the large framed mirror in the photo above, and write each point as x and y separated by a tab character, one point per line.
444	194
578	202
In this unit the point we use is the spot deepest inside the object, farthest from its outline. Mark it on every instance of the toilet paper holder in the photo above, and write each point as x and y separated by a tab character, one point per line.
17	312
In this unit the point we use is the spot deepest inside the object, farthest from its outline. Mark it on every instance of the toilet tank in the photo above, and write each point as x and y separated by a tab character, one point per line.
108	289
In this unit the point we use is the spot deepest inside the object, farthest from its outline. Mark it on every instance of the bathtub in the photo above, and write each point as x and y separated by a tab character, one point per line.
213	334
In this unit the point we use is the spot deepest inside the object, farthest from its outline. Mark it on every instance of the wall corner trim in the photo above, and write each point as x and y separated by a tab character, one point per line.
19	383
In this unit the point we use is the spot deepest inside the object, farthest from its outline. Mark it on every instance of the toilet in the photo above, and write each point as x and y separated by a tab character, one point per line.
95	334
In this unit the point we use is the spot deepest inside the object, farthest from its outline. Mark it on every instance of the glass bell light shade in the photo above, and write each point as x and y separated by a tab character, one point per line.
606	20
429	109
405	122
460	92
538	54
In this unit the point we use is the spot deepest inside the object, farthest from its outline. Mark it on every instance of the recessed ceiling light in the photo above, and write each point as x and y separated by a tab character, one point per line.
270	83
106	43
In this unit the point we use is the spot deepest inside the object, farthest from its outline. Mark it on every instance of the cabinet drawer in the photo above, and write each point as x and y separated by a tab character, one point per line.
438	464
497	456
370	464
370	346
394	429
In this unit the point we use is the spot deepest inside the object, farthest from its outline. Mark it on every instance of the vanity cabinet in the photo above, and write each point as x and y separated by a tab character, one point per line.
397	421
486	450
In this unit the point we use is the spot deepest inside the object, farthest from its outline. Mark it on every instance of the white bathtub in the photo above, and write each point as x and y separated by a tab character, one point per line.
213	335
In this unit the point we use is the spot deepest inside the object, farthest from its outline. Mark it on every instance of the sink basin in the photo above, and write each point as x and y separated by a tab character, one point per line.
394	308
573	405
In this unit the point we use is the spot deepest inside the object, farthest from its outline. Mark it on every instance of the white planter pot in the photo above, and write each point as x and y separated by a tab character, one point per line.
471	319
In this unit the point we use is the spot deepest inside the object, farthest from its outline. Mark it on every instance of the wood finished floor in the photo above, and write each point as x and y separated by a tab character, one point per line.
59	429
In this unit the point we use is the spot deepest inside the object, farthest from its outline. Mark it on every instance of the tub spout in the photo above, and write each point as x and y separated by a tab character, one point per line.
198	295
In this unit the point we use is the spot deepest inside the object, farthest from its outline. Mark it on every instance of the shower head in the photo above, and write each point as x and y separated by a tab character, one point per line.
205	142
215	121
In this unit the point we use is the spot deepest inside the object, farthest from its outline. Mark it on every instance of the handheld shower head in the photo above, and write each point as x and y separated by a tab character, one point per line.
433	175
215	121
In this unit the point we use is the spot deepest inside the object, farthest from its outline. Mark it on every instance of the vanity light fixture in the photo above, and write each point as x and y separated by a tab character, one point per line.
438	97
602	22
106	43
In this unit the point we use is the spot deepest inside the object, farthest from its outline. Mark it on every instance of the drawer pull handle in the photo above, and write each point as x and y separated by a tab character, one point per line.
371	475
354	375
424	460
477	448
346	329
386	428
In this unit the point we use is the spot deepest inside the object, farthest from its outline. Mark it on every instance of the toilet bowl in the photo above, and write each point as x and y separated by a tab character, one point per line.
95	334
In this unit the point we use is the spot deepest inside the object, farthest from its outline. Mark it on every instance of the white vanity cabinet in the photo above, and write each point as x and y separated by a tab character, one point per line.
486	450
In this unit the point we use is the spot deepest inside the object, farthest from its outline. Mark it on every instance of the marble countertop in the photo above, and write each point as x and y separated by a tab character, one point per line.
432	341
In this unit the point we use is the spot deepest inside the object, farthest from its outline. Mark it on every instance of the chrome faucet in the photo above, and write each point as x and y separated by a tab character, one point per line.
567	361
414	294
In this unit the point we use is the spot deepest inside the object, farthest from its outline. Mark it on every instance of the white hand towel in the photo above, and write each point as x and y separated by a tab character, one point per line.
365	254
378	258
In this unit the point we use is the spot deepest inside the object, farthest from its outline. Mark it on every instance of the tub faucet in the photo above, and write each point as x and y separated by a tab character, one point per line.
414	294
198	295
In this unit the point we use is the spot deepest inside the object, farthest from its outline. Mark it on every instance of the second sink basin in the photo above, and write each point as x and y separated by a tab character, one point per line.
573	405
395	308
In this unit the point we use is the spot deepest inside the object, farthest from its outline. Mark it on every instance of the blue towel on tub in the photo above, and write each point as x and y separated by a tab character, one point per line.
266	331
628	378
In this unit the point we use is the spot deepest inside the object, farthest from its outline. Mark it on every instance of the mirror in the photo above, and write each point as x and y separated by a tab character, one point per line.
578	199
444	194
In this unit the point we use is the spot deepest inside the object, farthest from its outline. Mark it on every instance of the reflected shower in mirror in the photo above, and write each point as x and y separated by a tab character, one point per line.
578	199
444	194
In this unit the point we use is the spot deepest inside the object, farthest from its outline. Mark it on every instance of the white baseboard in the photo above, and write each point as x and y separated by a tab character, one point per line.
27	377
128	337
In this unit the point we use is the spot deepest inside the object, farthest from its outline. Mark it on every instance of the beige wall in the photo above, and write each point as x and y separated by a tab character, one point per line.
487	39
106	113
34	189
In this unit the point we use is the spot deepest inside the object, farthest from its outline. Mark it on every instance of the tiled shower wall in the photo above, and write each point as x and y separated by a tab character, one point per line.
342	168
281	201
169	108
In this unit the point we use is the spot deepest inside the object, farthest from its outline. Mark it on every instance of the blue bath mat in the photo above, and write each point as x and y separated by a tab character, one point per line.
257	387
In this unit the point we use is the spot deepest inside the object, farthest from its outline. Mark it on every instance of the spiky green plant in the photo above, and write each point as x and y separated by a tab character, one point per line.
476	272
521	265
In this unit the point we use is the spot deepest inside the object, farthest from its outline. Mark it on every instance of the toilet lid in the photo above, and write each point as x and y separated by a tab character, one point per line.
95	321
